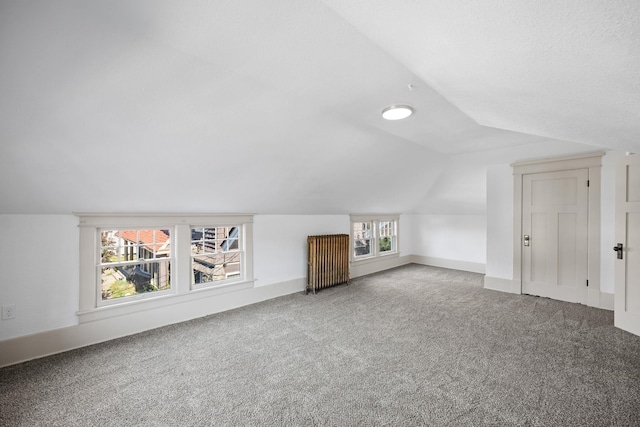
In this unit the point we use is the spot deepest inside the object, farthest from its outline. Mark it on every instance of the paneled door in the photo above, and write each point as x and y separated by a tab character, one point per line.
627	248
555	234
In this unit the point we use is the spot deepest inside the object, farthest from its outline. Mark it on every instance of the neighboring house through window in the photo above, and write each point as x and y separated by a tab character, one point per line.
134	262
216	254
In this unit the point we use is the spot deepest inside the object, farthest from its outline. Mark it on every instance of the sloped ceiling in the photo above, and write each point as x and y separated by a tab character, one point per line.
565	69
274	106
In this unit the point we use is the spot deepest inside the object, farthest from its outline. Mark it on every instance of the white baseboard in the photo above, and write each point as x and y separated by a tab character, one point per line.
374	265
606	301
453	264
511	286
500	284
27	347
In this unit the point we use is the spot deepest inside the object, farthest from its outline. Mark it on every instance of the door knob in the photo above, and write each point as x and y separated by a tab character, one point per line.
526	240
618	249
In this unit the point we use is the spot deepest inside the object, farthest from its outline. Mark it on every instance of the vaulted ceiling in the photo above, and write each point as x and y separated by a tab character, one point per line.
274	106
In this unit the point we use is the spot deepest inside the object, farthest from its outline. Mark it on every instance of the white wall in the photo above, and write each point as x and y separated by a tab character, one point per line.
280	244
500	222
280	251
406	234
39	265
458	238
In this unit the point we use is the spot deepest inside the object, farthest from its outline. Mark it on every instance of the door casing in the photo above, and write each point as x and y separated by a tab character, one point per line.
590	161
555	217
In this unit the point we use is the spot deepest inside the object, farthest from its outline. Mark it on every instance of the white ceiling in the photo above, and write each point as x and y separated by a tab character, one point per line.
274	106
564	69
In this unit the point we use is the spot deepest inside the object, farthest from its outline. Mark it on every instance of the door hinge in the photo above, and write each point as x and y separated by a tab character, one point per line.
587	183
587	283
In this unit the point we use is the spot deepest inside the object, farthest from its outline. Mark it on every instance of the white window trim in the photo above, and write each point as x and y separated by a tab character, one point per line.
181	289
375	255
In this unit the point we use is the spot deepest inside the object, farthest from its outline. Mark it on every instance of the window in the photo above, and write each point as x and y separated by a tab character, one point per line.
373	236
362	236
134	262
387	236
128	260
216	254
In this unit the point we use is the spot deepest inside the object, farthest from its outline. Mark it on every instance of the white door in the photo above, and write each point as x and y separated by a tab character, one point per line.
555	234
627	297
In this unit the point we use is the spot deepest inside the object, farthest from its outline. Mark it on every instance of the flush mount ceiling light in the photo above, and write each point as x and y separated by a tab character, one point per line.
397	112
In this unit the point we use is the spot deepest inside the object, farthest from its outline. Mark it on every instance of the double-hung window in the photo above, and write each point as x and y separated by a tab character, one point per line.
133	263
373	236
139	261
216	254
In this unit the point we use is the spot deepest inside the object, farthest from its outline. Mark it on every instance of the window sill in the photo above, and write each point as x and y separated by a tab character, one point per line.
372	259
160	301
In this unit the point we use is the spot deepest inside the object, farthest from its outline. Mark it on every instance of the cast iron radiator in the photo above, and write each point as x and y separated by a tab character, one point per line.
328	261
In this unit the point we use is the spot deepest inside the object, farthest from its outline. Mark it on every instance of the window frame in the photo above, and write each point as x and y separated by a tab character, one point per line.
375	220
91	306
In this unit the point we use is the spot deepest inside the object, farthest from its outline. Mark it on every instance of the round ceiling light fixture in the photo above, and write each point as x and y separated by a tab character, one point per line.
397	112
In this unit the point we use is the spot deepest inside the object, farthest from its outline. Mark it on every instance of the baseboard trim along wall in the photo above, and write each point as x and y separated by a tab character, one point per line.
28	347
500	284
474	267
375	265
605	300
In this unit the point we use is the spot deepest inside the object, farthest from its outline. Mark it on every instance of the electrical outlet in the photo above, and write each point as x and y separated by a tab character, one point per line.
8	312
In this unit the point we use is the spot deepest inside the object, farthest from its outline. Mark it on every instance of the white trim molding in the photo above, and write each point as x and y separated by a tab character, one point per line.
500	284
606	301
375	265
593	163
474	267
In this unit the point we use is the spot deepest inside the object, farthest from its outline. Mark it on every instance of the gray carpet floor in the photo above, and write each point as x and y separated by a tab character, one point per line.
410	346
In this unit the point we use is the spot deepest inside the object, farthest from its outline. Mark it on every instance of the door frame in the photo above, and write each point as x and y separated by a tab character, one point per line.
593	163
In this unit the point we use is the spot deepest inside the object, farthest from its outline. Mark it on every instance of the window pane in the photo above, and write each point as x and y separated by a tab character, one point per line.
213	268
146	252
120	278
386	244
385	228
387	232
229	245
109	251
126	280
130	245
214	240
362	247
362	234
362	230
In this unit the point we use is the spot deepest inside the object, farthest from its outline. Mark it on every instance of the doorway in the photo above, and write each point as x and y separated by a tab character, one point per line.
555	234
557	228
